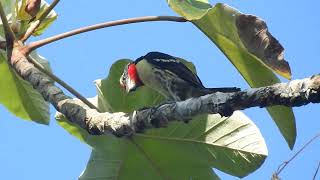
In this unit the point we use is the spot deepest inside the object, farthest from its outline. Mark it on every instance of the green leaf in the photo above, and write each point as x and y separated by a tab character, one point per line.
8	6
190	9
9	9
118	99
25	18
233	145
180	151
19	97
248	45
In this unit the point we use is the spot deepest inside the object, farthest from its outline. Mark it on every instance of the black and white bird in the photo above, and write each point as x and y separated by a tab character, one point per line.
166	75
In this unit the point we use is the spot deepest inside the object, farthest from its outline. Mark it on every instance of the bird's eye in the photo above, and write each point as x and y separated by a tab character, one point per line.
122	82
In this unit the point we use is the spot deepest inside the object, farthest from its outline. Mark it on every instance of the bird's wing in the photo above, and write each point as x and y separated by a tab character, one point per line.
174	65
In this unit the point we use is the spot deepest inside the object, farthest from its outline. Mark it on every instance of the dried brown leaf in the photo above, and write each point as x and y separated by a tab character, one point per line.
255	36
33	7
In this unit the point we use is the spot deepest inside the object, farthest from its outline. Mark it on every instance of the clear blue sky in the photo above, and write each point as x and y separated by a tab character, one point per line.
31	151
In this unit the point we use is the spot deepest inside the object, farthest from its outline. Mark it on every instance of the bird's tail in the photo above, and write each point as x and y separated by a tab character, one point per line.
223	89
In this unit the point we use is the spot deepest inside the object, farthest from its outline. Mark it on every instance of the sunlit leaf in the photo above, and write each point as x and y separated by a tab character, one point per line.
191	9
8	6
246	42
180	151
19	97
9	9
28	20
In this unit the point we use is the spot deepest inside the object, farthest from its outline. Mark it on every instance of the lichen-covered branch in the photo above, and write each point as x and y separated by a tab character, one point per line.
294	93
75	110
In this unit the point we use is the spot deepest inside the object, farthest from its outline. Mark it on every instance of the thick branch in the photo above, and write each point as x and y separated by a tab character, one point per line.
294	93
76	111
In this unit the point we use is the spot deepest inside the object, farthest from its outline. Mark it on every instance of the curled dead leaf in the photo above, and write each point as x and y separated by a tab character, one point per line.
255	36
33	7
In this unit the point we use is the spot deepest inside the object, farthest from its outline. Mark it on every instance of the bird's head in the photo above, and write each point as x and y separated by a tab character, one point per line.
129	79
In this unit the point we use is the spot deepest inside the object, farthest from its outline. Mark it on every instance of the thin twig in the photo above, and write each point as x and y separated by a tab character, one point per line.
317	170
284	164
34	45
61	82
33	28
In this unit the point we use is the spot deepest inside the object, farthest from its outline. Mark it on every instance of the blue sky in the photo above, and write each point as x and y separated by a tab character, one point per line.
32	151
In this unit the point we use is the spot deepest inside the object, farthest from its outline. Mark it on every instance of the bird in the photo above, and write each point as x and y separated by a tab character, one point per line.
168	76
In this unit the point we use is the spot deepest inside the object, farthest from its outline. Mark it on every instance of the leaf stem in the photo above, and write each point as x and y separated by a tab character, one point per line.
33	28
34	45
62	83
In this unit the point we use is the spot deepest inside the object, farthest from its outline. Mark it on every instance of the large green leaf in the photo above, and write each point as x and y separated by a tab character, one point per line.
248	45
9	10
180	151
233	145
118	99
19	97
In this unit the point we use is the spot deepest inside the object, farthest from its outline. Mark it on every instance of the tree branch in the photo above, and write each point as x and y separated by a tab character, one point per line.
34	45
21	51
294	93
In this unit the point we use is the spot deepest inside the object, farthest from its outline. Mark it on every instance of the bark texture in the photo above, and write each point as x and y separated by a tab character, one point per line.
294	93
